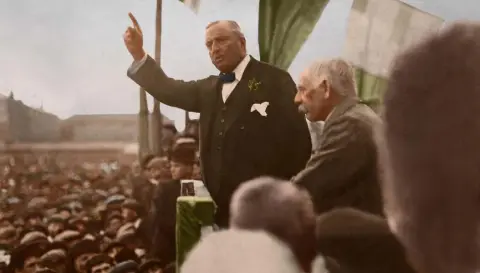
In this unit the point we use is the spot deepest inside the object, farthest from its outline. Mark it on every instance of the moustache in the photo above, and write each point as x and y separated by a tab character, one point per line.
302	109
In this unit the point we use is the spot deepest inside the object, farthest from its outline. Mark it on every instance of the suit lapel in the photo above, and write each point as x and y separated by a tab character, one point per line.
210	107
242	96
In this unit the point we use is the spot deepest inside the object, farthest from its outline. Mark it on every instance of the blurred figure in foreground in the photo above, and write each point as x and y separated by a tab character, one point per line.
360	242
236	251
432	130
279	208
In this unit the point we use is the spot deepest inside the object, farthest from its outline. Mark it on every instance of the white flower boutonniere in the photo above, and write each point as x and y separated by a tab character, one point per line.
261	108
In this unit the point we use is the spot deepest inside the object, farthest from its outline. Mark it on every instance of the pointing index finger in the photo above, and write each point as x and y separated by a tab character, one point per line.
135	22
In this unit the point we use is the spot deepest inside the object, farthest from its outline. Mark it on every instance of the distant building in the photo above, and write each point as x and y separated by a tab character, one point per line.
30	131
102	128
21	123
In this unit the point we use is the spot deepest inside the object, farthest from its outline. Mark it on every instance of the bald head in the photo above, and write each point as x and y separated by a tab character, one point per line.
432	128
278	207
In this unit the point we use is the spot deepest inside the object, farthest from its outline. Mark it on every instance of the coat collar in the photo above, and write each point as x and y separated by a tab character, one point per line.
340	109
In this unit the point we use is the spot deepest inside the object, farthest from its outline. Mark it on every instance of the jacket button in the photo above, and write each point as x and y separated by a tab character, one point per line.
242	127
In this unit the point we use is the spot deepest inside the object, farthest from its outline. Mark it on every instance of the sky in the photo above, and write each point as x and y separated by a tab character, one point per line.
69	56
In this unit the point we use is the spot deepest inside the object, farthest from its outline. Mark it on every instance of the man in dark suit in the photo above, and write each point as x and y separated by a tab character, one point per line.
163	211
249	125
343	170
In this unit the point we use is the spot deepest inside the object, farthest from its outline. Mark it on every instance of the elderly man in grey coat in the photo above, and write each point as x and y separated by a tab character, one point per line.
343	171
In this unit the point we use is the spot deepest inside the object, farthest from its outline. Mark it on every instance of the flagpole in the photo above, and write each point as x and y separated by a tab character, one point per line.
156	118
143	143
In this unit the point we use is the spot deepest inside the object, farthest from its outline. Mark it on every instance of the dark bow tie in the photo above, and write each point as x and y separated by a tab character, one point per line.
227	77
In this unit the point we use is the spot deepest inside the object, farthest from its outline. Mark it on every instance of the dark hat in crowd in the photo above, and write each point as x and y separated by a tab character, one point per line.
68	236
56	218
146	160
112	245
184	153
133	205
83	247
114	215
7	215
356	240
37	203
125	267
7	232
126	254
75	220
53	258
34	236
116	199
98	260
127	237
33	213
38	228
66	208
58	245
151	264
24	251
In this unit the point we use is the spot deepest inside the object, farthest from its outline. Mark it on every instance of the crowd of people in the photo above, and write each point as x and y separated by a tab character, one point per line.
389	193
92	218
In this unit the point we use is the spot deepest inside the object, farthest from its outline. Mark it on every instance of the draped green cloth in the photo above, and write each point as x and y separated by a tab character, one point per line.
193	214
284	26
370	87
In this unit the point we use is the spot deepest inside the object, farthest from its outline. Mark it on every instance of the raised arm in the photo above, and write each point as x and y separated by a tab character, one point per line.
146	73
176	93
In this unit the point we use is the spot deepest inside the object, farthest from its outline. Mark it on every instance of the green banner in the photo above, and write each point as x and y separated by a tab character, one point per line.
370	88
284	26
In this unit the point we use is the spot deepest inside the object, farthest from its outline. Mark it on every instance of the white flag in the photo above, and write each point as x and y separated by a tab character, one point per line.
379	29
193	4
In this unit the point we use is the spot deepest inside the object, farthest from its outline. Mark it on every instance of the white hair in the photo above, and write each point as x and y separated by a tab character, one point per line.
337	72
237	251
268	203
234	27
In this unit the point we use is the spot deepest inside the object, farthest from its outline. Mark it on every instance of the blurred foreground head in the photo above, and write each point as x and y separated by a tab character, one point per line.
279	208
360	242
235	251
432	132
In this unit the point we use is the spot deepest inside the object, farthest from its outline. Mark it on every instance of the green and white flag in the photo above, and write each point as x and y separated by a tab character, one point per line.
377	31
192	4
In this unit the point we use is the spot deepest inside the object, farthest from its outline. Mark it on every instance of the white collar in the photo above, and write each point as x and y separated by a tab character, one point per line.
329	114
241	67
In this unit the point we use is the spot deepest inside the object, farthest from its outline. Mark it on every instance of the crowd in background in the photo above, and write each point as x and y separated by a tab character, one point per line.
91	218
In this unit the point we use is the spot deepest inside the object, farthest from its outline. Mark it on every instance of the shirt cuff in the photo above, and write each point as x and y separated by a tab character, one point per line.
136	65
